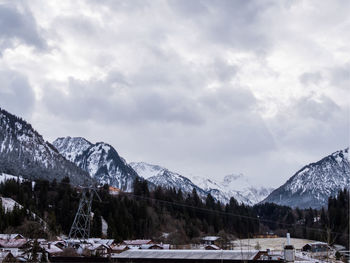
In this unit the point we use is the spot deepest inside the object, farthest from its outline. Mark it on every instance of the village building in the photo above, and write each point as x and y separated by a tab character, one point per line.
179	256
151	246
211	240
318	249
137	243
11	236
15	246
51	249
117	249
6	257
211	247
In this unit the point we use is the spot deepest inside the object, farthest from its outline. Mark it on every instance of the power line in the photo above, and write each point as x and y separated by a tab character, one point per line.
206	210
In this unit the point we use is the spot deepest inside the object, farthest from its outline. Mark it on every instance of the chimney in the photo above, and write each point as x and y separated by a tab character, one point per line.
289	251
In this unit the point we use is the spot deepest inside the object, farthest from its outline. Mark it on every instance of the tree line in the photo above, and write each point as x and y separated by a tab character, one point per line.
166	214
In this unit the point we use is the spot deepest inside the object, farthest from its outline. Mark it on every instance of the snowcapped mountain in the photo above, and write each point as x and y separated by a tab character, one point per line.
24	152
237	186
314	183
161	176
100	160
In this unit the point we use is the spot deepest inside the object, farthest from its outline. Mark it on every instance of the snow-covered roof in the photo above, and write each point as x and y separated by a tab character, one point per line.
137	242
212	247
187	254
11	236
120	247
4	255
210	238
13	243
106	242
96	246
148	246
52	249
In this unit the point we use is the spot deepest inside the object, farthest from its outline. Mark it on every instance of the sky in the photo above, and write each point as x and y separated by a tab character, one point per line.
203	87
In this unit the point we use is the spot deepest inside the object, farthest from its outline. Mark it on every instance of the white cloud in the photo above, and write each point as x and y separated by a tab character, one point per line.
210	87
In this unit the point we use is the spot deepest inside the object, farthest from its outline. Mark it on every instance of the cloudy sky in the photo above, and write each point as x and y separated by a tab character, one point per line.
202	87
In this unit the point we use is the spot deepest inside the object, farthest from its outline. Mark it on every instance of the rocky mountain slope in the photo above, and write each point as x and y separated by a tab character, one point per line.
161	176
236	186
100	160
314	183
24	152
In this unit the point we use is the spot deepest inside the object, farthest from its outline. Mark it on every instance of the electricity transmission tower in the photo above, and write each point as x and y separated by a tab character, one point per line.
81	225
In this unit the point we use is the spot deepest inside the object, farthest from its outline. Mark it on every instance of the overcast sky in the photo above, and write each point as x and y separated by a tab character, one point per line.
201	87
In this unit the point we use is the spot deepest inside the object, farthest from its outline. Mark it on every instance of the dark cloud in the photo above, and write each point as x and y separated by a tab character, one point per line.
111	100
234	24
18	24
16	94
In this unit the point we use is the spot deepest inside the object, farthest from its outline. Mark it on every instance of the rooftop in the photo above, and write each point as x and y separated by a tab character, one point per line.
188	254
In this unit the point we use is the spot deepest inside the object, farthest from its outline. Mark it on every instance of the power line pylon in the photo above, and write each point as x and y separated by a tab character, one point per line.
81	225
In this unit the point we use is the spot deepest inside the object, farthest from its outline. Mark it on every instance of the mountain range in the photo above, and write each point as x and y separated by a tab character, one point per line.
314	183
100	160
24	152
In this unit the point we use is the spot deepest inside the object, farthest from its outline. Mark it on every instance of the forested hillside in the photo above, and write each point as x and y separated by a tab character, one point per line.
167	214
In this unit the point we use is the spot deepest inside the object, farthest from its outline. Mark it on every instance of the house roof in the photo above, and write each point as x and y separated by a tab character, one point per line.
11	236
210	238
212	247
148	246
137	242
106	242
52	250
13	243
188	254
120	247
5	255
96	246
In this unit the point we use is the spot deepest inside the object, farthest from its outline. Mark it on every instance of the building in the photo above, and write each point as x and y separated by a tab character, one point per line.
211	240
6	257
211	247
183	256
117	249
51	249
137	243
15	246
11	236
114	190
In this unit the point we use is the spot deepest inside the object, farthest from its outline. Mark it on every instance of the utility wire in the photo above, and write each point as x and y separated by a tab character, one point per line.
208	211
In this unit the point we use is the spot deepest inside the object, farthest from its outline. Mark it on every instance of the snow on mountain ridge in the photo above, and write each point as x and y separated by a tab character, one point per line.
233	185
71	147
161	176
312	185
24	152
100	160
221	191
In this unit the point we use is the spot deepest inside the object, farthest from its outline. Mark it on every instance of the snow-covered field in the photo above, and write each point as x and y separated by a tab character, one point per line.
4	177
8	203
269	243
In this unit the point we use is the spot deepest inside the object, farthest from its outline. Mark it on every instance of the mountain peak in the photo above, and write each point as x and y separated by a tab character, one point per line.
100	160
71	147
24	151
313	184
